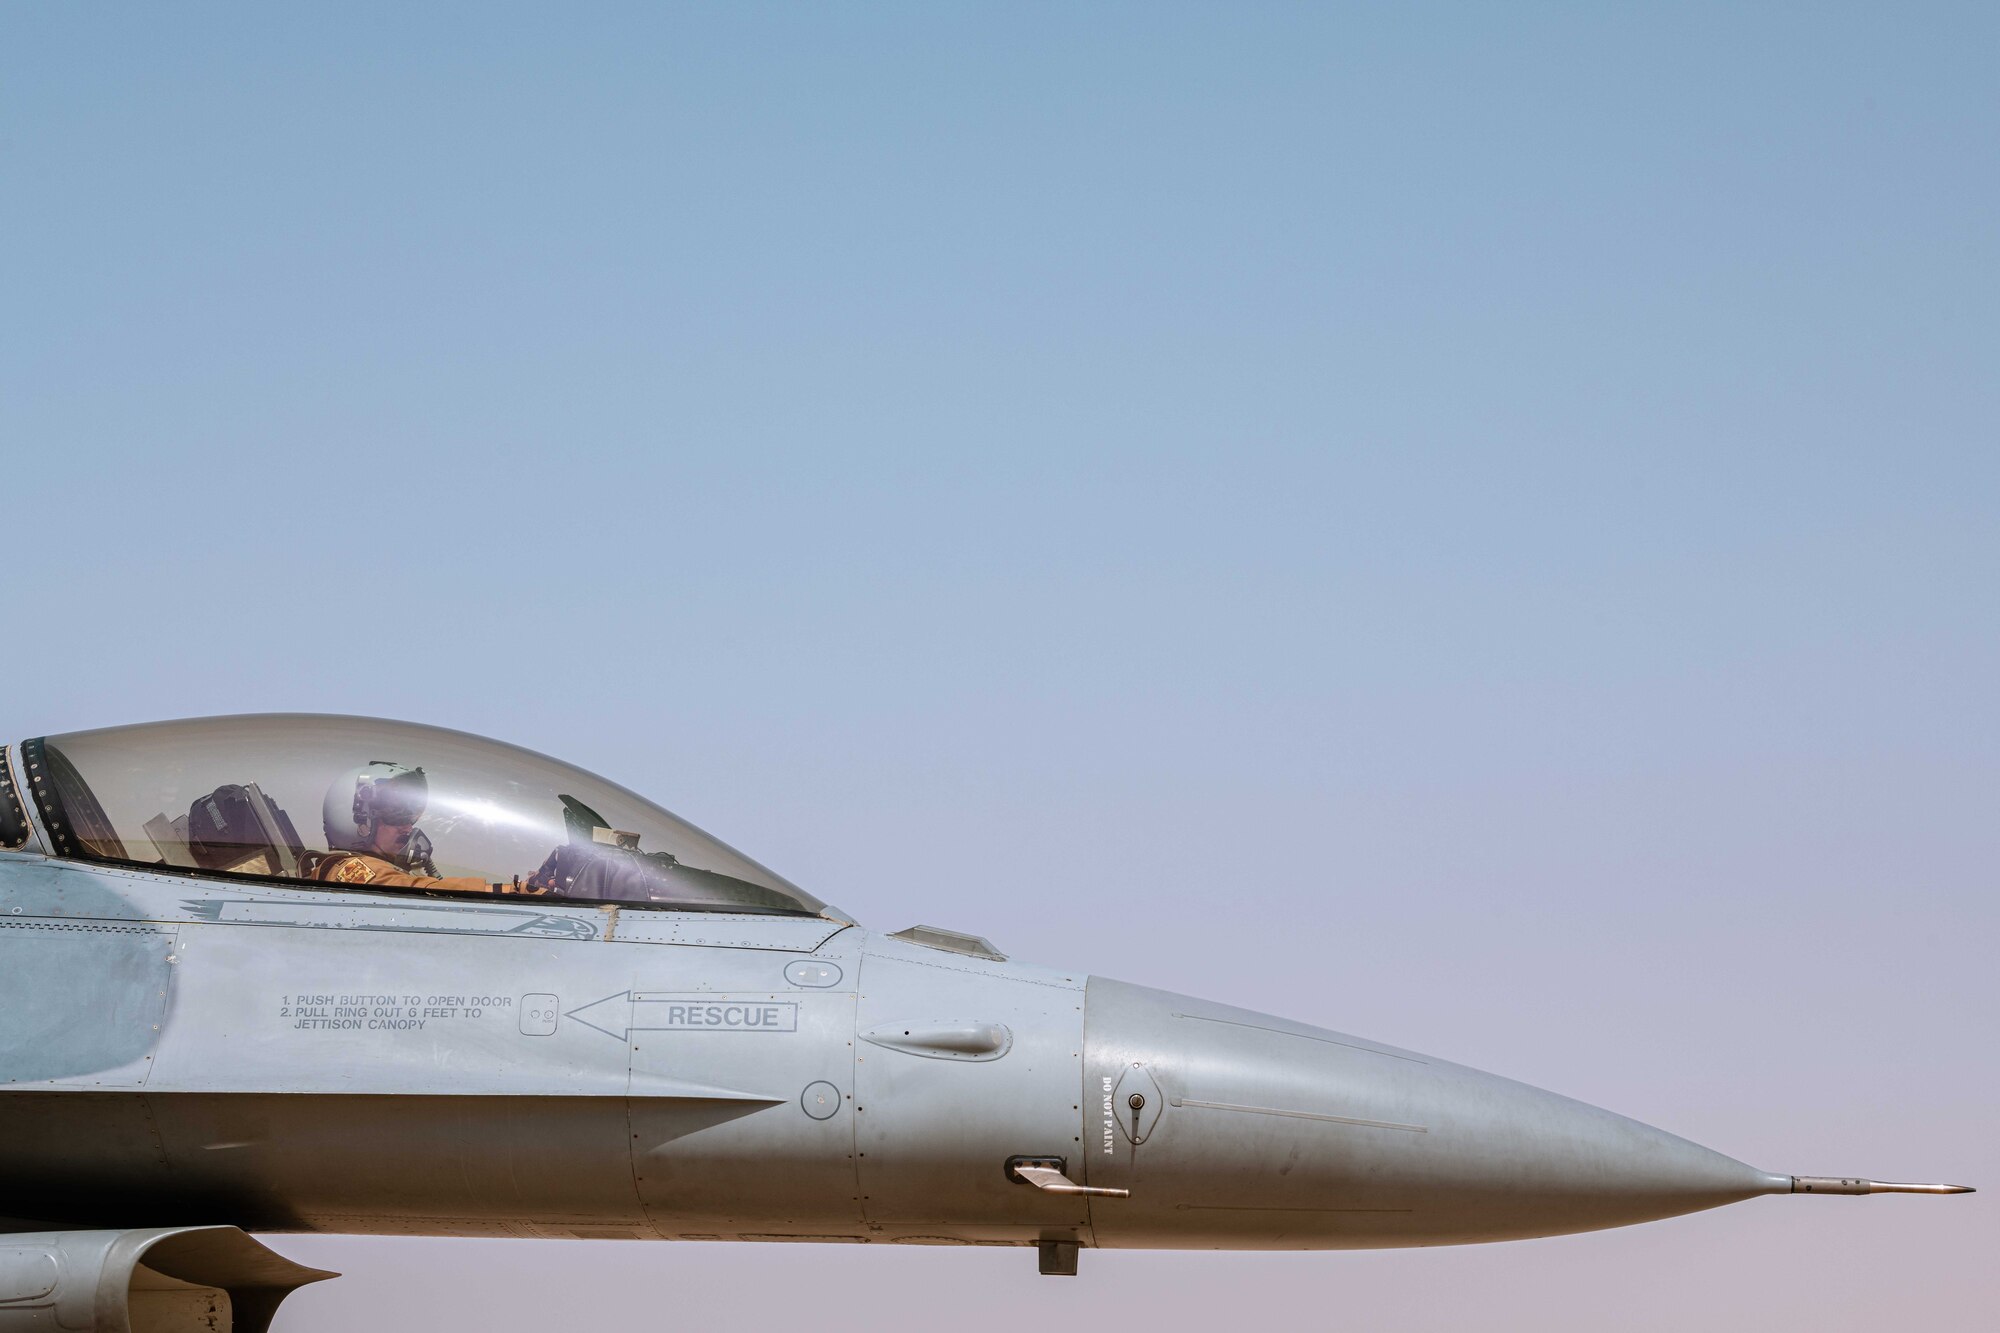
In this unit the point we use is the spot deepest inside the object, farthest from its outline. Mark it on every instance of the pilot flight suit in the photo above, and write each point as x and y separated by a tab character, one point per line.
361	868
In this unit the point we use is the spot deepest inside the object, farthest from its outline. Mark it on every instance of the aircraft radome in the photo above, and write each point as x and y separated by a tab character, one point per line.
300	973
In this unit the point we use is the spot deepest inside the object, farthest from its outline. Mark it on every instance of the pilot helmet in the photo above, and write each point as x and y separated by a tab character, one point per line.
364	798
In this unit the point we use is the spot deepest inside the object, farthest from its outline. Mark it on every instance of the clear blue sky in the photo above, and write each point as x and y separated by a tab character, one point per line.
1473	525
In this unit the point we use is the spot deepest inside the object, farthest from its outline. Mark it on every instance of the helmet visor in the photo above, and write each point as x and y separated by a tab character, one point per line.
398	800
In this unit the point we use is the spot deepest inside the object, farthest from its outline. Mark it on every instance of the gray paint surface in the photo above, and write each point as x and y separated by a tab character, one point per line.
84	999
315	1060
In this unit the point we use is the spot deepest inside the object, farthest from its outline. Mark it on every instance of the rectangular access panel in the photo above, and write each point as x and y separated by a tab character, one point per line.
961	1064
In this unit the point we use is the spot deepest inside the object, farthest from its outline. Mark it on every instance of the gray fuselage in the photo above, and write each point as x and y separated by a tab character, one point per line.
279	1057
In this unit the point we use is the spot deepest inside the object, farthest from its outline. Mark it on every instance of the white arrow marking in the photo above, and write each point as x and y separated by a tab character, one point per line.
630	1011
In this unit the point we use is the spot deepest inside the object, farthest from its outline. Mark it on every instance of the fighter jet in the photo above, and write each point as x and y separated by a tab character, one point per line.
296	973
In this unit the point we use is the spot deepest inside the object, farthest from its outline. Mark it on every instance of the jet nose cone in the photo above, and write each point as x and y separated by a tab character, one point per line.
1234	1128
1513	1160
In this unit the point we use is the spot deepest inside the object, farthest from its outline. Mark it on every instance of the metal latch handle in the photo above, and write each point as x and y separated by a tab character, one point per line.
1046	1173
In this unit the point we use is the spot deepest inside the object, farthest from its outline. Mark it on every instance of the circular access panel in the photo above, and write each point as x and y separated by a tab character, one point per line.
820	1100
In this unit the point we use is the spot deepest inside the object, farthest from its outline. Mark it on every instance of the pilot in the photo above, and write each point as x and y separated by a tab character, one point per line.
371	813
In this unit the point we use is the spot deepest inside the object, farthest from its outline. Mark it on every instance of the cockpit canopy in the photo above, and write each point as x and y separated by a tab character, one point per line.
277	796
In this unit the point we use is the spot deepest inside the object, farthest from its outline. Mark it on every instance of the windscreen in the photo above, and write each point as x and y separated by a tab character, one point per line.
298	796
